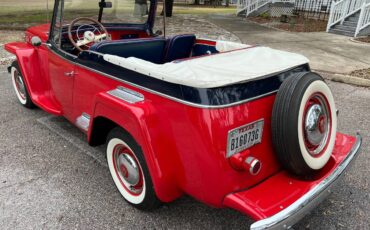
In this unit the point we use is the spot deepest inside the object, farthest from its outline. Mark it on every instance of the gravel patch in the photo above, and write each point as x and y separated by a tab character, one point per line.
364	39
294	24
362	73
8	36
5	58
3	53
11	36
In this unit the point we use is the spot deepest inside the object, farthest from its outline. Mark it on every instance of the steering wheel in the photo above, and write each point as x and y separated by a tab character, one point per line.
89	36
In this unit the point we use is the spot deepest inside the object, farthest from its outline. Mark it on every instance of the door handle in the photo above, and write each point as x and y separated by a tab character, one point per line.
70	74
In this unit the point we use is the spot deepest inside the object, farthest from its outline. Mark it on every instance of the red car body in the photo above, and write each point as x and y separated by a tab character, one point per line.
184	143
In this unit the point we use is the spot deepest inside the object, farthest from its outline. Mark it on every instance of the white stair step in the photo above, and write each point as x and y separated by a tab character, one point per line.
342	32
352	19
348	23
345	28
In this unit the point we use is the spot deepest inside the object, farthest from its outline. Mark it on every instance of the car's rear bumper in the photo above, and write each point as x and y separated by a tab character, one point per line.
249	201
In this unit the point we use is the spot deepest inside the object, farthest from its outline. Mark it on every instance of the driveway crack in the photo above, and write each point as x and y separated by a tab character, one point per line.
22	183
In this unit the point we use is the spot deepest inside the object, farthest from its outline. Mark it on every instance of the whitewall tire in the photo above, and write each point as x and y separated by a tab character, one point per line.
20	87
304	123
128	191
129	170
320	158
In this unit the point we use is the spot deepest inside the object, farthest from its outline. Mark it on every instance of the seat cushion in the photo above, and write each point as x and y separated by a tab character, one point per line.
179	47
151	49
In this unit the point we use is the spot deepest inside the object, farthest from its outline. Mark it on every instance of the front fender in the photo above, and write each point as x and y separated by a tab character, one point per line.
33	64
14	46
28	62
135	119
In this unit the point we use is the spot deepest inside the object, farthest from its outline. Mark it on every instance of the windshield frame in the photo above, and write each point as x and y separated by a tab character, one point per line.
147	26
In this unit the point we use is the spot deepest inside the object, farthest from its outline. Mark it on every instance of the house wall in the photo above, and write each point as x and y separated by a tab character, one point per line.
280	8
314	5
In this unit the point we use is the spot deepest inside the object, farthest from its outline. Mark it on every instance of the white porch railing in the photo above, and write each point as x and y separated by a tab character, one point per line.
240	6
354	6
249	6
337	13
286	1
342	9
364	20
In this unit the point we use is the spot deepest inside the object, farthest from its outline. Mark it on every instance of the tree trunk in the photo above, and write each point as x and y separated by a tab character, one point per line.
169	8
141	8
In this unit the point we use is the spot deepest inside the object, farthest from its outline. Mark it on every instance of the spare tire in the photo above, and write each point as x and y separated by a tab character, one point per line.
304	123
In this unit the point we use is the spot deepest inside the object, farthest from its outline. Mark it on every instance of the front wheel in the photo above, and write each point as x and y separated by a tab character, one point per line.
129	170
20	87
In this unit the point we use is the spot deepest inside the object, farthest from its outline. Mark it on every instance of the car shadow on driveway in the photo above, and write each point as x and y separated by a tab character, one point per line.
184	213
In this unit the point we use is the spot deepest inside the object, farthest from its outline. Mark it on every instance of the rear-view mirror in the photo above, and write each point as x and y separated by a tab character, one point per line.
36	41
105	4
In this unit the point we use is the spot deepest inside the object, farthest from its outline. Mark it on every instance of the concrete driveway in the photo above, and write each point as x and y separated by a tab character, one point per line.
327	52
51	179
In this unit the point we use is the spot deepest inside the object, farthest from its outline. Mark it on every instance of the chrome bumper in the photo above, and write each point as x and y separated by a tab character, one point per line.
292	214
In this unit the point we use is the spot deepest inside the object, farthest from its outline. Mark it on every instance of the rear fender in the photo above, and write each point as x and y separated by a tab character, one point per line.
134	119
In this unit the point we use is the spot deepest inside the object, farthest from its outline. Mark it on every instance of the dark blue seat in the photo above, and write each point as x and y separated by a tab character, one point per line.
152	49
179	47
202	49
156	50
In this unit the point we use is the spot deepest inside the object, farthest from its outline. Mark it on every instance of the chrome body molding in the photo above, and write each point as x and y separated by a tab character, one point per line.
127	95
292	214
83	122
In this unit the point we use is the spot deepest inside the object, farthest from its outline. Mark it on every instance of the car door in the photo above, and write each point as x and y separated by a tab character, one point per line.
61	63
62	74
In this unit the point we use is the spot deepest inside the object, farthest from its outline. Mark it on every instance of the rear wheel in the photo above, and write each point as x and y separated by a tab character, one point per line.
129	170
20	87
304	123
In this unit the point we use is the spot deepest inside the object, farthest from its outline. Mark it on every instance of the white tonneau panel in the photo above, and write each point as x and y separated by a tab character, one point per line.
218	69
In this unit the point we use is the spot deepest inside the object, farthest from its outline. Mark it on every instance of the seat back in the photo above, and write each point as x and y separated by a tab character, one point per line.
179	47
151	50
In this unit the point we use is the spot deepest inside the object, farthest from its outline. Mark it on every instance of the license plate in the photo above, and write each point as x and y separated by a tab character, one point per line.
244	137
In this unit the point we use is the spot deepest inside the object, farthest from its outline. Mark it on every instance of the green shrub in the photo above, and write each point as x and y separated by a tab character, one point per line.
265	15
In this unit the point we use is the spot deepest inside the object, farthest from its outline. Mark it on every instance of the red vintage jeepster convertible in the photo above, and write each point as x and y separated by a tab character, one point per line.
232	125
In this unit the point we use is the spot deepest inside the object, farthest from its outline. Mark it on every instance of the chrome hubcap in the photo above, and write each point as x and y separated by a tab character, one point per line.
314	124
20	84
317	124
128	169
